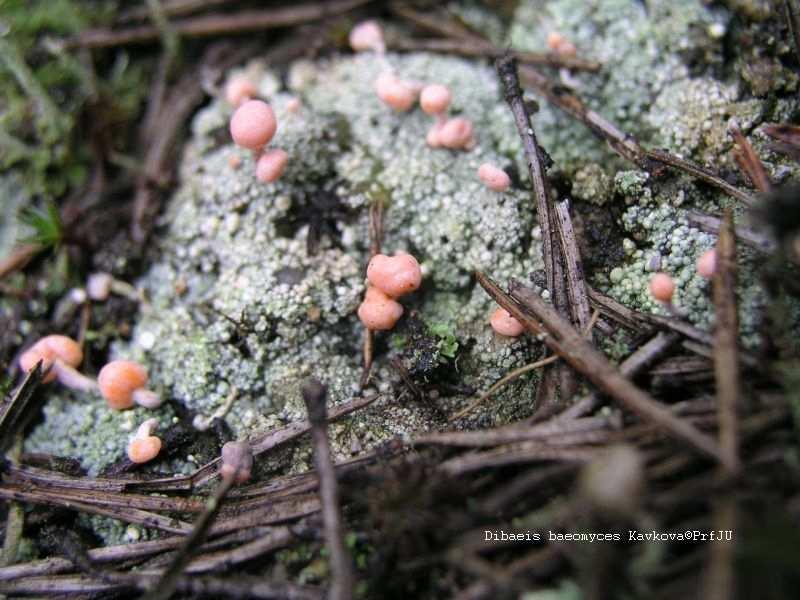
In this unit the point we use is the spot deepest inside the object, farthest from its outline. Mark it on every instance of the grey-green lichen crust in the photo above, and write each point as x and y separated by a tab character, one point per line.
238	305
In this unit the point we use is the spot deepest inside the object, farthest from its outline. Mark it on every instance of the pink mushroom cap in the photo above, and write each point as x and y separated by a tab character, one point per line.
505	324
394	92
367	35
435	98
49	349
707	263
378	311
494	177
395	275
253	124
271	165
456	133
238	89
662	287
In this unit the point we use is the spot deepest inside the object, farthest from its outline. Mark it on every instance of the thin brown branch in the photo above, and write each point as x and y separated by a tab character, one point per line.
20	408
19	257
375	241
565	341
218	24
630	367
726	329
129	515
472	49
700	173
506	68
748	161
576	283
711	224
341	587
168	582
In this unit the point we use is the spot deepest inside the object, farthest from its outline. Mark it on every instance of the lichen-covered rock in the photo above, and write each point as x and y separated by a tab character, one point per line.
253	287
238	304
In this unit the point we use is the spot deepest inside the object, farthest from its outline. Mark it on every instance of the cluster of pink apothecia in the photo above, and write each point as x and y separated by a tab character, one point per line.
253	124
123	385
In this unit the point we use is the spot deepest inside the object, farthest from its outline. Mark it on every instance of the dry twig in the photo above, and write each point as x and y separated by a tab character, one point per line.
341	588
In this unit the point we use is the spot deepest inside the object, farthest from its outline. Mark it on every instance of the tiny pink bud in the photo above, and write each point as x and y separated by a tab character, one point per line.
50	349
457	133
394	92
366	36
494	177
435	98
237	459
253	124
396	275
662	287
238	89
560	45
270	165
378	311
707	263
505	324
98	286
144	446
433	136
293	105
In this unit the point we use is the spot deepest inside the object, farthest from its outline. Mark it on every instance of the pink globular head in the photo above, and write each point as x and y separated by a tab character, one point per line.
457	134
396	275
394	92
435	98
293	105
707	263
238	89
560	44
367	36
50	349
378	311
505	324
662	287
494	177
253	124
271	165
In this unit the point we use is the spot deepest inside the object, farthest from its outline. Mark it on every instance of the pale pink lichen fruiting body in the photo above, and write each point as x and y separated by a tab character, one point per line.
367	36
494	177
253	125
434	99
59	353
457	134
707	263
395	275
505	324
662	287
271	165
560	44
239	89
237	461
122	383
396	93
144	446
378	311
